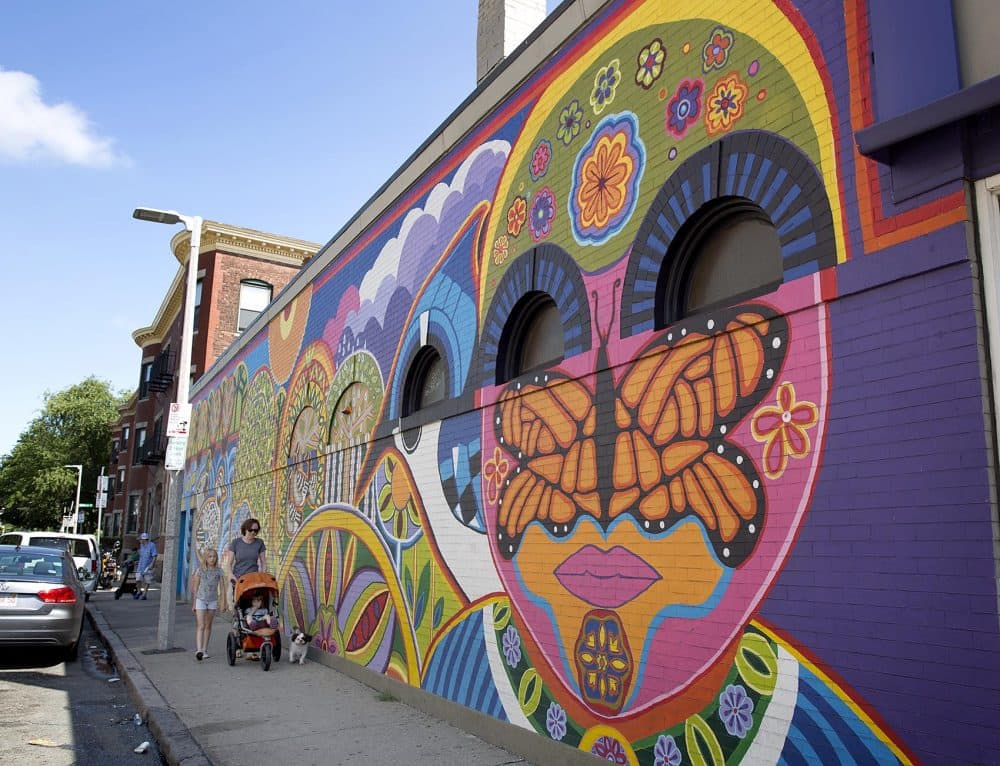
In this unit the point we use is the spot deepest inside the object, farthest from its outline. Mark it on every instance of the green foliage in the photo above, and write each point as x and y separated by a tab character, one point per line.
73	428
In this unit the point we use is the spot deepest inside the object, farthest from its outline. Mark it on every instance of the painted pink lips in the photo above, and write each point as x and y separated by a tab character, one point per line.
605	578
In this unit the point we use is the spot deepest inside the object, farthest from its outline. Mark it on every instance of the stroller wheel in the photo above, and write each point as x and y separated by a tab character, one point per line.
265	656
231	649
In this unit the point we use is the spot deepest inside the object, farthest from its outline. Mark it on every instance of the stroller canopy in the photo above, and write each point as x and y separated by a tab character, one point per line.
255	581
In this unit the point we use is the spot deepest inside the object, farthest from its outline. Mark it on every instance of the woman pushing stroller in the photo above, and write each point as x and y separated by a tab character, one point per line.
246	553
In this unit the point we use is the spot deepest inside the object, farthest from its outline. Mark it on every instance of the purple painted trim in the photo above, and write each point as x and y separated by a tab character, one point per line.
873	141
914	55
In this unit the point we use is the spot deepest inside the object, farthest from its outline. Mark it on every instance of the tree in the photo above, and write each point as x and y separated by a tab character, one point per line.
74	428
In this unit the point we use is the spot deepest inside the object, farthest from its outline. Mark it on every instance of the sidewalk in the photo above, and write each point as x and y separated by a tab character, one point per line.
207	712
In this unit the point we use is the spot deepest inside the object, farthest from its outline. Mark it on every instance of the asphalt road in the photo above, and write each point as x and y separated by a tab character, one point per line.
54	713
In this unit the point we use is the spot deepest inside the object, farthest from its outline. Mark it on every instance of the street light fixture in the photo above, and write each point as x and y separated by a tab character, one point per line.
168	582
76	506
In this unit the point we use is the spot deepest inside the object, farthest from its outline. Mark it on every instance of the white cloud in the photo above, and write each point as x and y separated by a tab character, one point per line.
30	128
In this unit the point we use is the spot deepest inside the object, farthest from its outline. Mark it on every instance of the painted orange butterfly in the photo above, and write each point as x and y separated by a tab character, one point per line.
668	413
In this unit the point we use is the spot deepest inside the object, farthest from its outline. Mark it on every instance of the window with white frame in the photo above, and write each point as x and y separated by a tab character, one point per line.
254	297
132	517
988	213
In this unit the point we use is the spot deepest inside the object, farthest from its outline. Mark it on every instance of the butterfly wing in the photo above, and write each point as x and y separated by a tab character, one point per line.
676	404
549	427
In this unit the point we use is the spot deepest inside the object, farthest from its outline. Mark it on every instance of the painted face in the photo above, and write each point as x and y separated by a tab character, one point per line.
636	529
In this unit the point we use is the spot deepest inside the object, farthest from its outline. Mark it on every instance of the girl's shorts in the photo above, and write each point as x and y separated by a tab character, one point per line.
200	604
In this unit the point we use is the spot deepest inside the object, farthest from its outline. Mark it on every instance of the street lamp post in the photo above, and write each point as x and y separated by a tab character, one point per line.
76	506
168	584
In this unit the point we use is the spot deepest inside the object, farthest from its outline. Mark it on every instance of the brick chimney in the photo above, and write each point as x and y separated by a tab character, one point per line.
503	25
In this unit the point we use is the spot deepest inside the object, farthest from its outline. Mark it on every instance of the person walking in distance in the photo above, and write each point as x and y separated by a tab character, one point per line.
144	570
246	553
207	591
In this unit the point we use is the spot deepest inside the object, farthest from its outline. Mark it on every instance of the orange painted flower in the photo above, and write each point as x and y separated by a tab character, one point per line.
606	173
784	430
494	472
517	214
725	104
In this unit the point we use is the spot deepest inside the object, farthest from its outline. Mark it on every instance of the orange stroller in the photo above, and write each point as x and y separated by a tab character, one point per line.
255	639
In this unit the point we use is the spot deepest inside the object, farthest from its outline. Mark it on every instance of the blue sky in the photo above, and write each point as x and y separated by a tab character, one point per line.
284	117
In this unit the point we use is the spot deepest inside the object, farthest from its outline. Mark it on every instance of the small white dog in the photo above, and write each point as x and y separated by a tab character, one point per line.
298	643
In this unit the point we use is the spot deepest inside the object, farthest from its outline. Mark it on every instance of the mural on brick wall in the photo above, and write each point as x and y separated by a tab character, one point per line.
582	551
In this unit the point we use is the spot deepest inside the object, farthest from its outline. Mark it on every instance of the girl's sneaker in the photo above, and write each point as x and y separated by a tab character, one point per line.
199	655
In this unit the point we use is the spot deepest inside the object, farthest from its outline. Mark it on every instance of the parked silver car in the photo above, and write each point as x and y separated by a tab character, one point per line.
41	598
83	549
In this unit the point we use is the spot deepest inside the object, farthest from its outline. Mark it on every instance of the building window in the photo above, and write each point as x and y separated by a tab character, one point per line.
120	484
254	297
426	382
126	432
197	303
728	251
140	440
532	339
116	525
145	373
132	517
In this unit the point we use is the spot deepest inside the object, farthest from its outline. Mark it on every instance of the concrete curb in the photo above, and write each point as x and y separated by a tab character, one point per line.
176	744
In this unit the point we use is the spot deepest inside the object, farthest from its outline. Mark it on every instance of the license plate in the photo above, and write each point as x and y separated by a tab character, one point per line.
8	599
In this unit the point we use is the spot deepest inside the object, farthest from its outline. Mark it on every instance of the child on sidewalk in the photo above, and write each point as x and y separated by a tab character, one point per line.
207	591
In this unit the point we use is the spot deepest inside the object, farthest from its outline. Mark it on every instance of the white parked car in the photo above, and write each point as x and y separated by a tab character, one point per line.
83	549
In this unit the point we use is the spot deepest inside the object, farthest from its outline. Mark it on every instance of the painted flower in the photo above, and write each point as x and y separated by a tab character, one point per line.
736	710
666	752
555	721
725	104
784	430
501	249
650	62
517	214
685	107
543	210
605	182
494	472
610	749
605	83
604	661
512	646
570	121
540	160
715	54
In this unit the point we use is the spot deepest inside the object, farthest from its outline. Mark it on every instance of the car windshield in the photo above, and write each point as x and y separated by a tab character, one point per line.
20	566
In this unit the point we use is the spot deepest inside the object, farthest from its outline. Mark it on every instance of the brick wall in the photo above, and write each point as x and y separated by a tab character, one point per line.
758	532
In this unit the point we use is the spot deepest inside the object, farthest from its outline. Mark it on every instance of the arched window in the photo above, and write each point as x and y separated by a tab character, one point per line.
532	338
426	382
729	250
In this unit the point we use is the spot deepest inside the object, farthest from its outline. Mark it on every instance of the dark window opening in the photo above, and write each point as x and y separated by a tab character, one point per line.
728	251
426	383
532	339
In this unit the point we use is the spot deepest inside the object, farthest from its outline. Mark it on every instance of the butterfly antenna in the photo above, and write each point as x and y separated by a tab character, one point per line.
606	333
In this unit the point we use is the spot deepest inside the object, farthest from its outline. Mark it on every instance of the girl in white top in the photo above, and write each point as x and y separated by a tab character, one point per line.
207	590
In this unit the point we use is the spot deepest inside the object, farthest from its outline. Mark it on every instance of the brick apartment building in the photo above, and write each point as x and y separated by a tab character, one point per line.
240	271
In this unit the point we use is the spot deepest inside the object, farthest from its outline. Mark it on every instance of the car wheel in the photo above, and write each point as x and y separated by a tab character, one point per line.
265	657
73	650
86	596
